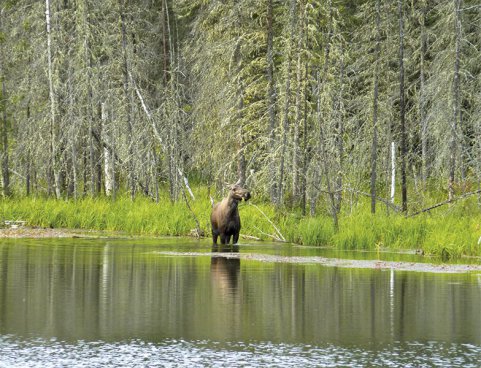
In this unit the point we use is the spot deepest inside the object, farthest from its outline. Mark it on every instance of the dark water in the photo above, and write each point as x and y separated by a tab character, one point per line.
97	303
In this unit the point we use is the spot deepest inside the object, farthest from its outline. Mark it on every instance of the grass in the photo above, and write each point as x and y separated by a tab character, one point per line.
141	216
450	231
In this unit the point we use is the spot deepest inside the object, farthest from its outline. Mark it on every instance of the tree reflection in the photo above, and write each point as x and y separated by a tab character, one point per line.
89	290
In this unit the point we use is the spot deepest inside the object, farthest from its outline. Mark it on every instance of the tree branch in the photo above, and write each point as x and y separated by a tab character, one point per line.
383	200
197	223
465	195
279	234
156	132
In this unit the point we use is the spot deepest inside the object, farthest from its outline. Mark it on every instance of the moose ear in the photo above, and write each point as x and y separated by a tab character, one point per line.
229	186
239	182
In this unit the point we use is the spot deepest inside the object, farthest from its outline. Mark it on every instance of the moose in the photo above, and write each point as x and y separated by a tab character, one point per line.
225	218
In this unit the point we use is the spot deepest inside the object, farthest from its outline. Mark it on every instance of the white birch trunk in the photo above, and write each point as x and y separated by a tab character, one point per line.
393	171
108	159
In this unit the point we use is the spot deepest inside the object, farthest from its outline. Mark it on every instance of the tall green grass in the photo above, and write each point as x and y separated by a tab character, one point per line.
141	216
448	231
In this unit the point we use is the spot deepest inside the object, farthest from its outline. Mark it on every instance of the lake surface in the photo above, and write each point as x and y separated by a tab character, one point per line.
175	302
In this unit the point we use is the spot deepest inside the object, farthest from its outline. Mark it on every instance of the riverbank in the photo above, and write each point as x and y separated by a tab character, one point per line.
38	232
449	232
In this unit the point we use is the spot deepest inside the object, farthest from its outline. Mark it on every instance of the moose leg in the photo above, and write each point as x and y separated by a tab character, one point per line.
215	234
222	238
235	238
227	239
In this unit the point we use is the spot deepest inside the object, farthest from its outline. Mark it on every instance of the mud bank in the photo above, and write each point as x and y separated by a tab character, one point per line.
344	263
37	233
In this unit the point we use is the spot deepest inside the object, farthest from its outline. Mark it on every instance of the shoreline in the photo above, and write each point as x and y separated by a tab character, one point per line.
26	232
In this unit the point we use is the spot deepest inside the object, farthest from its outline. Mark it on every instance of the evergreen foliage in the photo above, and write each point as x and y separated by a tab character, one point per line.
127	96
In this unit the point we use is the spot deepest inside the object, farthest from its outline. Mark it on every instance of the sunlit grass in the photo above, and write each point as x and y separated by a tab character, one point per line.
447	232
450	231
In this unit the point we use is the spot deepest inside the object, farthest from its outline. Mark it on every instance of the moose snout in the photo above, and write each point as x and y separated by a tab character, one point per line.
247	196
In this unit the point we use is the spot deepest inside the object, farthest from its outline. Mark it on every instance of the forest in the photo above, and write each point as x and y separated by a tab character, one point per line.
311	104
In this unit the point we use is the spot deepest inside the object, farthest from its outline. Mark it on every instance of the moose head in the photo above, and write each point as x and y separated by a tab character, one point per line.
239	193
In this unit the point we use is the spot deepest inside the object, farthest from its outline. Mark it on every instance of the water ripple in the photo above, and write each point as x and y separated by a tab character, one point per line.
179	353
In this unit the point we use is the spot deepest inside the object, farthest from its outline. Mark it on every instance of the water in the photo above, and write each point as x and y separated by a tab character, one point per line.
114	303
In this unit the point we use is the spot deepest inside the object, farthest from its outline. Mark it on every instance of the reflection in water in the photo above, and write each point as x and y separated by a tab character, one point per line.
94	291
226	307
225	270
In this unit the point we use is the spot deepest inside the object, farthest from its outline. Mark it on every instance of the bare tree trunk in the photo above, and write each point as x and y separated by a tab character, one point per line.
320	79
237	58
112	157
28	160
402	107
271	102
241	160
73	132
170	79
393	171
89	103
374	146
297	123
316	177
171	168
453	146
5	169
285	118
478	160
53	124
5	172
154	168
171	131
321	147
128	100
108	157
306	148
165	43
422	101
323	139
339	132
91	158
325	167
27	175
3	104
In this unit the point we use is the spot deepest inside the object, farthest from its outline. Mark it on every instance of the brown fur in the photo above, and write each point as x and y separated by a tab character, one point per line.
225	218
